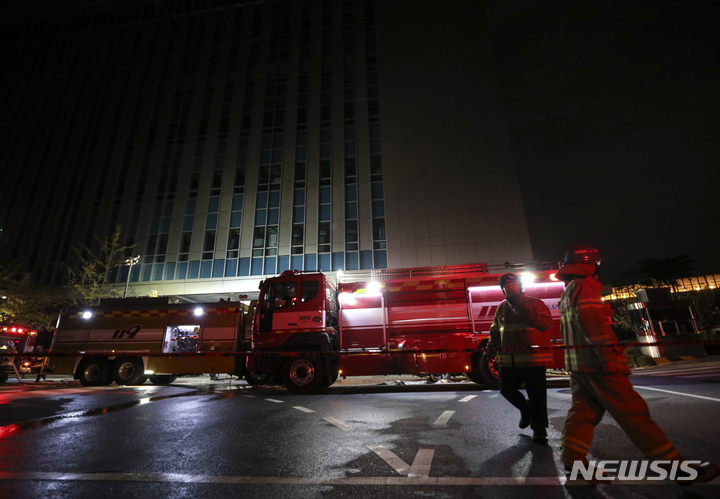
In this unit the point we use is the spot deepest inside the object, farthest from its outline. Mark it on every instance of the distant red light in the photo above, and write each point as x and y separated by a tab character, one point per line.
553	277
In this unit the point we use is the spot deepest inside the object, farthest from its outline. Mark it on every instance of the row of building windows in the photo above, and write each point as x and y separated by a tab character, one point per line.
256	266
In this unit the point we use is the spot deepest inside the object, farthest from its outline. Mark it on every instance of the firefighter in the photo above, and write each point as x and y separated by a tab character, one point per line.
519	324
599	376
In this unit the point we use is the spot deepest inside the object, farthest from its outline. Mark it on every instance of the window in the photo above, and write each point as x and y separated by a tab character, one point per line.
308	291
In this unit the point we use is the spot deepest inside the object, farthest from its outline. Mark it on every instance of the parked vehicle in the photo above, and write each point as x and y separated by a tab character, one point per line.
423	321
131	340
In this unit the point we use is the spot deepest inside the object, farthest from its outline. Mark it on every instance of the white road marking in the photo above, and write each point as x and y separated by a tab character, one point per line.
353	481
338	423
679	370
303	409
290	480
679	393
276	401
469	397
443	419
389	457
421	465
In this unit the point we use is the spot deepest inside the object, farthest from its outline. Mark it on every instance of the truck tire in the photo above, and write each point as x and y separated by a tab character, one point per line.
257	379
305	374
128	371
490	372
162	379
333	377
474	373
3	375
94	371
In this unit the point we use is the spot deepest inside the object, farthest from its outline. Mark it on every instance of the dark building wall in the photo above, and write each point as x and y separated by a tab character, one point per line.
235	139
453	195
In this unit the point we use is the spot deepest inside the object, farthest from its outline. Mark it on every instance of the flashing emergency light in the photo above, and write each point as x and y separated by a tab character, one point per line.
553	277
527	278
373	287
346	298
87	315
198	311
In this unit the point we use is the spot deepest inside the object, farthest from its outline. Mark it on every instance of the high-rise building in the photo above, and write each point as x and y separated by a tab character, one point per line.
235	139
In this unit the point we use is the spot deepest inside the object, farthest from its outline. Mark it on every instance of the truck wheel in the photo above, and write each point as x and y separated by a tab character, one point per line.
474	374
162	379
128	371
490	372
334	376
94	371
305	375
3	375
257	379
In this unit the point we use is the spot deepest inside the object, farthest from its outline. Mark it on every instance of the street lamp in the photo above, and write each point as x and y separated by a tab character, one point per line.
129	263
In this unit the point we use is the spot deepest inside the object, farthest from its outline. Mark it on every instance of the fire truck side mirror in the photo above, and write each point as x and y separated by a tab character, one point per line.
261	284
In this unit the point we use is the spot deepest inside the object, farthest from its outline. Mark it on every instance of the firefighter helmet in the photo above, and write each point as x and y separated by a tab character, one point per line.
580	259
506	278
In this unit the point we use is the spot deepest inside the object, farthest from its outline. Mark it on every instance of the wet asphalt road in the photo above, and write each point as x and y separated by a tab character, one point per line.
204	439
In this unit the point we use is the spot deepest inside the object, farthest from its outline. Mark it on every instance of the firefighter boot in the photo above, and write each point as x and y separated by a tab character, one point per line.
540	435
525	419
705	472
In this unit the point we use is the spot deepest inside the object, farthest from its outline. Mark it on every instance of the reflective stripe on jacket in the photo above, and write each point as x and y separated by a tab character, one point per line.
521	326
585	323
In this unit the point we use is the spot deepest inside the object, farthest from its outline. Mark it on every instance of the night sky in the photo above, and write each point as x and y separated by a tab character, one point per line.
613	108
614	115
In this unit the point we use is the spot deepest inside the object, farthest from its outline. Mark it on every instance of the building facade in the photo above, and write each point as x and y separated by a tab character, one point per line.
230	140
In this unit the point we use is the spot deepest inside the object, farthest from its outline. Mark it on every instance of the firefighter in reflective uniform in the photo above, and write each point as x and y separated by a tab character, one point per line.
599	376
519	325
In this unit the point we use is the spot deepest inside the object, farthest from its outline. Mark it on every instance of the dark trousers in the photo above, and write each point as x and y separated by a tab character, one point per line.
536	387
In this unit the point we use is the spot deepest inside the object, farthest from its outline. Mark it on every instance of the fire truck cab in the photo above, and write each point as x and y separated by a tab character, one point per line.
408	321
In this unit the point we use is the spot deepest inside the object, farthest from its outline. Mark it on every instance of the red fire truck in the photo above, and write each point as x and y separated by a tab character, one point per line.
421	321
129	340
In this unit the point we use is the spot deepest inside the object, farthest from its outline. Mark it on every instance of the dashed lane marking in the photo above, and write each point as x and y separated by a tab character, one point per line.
338	423
303	409
679	393
444	417
469	397
276	401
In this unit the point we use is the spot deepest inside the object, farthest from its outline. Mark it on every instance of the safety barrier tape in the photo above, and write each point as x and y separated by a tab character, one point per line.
206	353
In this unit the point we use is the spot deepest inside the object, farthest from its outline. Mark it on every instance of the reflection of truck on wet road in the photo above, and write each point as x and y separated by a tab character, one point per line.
420	321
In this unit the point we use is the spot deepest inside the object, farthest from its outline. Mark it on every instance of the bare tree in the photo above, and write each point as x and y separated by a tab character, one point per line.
27	303
88	281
